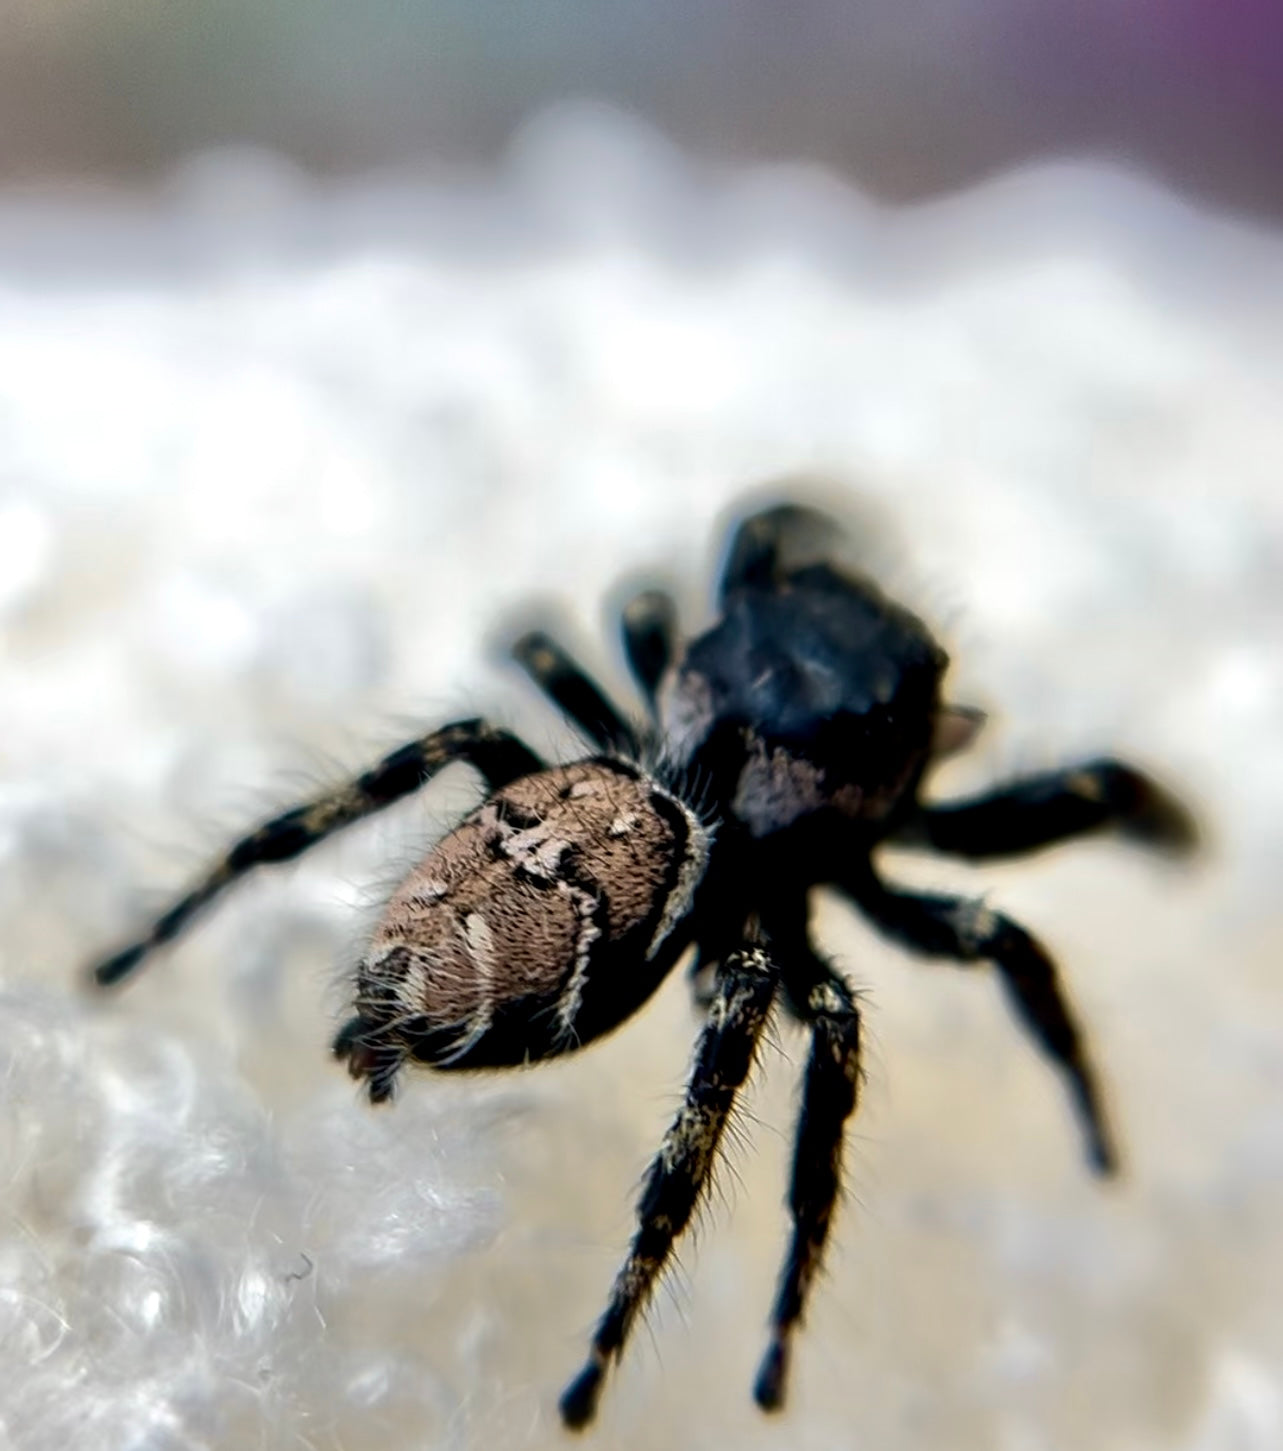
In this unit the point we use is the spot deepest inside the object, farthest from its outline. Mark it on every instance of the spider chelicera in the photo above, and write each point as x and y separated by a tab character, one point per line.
783	745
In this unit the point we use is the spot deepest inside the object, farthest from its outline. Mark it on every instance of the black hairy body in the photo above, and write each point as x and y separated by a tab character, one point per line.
783	746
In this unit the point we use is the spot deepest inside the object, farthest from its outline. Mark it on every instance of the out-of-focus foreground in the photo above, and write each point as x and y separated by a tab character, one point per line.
279	458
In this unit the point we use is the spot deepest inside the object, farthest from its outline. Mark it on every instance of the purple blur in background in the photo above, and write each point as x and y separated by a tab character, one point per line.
910	99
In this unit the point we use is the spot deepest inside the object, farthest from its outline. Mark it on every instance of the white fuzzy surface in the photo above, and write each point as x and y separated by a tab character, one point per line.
275	466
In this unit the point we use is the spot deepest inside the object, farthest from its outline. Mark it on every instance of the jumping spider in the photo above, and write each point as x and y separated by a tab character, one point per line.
783	745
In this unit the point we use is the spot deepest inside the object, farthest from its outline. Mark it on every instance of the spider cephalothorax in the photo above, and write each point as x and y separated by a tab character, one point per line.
807	715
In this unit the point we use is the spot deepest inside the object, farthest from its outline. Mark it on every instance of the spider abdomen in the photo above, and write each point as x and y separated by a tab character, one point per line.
533	926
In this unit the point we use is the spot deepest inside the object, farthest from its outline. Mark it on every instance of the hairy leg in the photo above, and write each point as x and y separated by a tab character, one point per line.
829	1098
649	627
1053	806
574	692
497	755
679	1174
968	931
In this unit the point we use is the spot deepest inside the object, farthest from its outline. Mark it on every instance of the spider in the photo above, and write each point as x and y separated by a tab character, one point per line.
782	746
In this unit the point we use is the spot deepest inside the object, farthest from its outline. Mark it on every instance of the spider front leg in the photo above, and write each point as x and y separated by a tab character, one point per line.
767	543
1052	807
499	756
968	932
574	692
829	1098
680	1172
649	627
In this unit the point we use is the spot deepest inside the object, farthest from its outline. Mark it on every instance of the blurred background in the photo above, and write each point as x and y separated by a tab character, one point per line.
910	102
338	342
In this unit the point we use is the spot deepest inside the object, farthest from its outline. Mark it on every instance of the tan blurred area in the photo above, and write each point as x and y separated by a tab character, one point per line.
910	100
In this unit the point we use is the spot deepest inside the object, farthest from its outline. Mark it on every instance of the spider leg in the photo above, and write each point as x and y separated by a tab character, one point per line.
1051	807
497	755
680	1171
763	542
574	692
649	627
969	931
820	996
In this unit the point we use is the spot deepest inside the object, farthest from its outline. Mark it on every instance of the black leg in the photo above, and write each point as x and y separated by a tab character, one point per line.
971	932
649	625
497	755
829	1098
680	1172
568	685
1048	808
767	543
